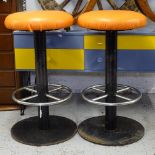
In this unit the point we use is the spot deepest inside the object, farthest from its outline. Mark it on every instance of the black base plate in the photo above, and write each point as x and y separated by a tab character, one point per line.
128	131
28	132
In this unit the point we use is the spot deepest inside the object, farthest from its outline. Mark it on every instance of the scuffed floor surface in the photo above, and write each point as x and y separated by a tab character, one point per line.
78	110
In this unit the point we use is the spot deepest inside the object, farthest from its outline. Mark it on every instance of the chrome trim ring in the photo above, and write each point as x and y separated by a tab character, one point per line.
56	94
125	95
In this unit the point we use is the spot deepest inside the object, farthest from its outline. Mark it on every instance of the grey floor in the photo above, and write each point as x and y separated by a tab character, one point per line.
78	110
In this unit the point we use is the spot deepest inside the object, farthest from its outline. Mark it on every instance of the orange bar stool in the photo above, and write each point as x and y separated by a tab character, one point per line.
42	129
111	129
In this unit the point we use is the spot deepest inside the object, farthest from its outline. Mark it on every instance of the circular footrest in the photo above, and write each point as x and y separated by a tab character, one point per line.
125	95
56	94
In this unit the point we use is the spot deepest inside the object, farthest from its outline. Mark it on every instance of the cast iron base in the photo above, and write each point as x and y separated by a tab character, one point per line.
128	131
27	131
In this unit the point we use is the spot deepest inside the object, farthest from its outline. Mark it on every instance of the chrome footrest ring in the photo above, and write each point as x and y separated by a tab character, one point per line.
56	94
125	95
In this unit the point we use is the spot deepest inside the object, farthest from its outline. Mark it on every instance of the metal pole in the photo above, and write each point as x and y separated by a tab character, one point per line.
111	79
41	77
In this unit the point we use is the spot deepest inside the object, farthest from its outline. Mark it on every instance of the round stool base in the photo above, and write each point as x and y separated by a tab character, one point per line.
28	132
128	131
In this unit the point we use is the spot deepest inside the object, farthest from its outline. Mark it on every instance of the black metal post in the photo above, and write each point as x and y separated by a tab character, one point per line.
41	77
111	79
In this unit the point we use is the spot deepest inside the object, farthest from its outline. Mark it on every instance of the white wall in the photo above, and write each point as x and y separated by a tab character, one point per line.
145	82
32	5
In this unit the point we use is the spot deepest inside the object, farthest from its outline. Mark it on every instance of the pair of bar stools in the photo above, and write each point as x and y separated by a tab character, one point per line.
106	130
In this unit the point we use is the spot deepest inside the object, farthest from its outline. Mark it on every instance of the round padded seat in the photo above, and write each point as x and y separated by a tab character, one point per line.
38	20
112	20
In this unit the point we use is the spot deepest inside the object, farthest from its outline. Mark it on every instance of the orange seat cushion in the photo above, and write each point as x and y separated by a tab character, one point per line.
38	20
112	20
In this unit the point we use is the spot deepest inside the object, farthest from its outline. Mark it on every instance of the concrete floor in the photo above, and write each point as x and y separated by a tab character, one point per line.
78	110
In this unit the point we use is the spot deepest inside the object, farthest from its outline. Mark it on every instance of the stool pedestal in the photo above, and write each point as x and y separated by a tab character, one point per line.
44	129
41	78
111	129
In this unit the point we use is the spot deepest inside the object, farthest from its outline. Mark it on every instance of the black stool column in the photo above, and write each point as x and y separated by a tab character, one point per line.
111	79
41	77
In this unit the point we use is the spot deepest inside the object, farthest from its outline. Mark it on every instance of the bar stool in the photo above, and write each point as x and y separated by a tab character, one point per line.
42	129
111	129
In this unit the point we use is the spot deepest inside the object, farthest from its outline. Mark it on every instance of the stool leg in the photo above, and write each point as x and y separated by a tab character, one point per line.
52	129
41	77
110	129
111	78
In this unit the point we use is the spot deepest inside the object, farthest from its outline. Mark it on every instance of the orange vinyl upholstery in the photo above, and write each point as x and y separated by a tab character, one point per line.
112	20
38	20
